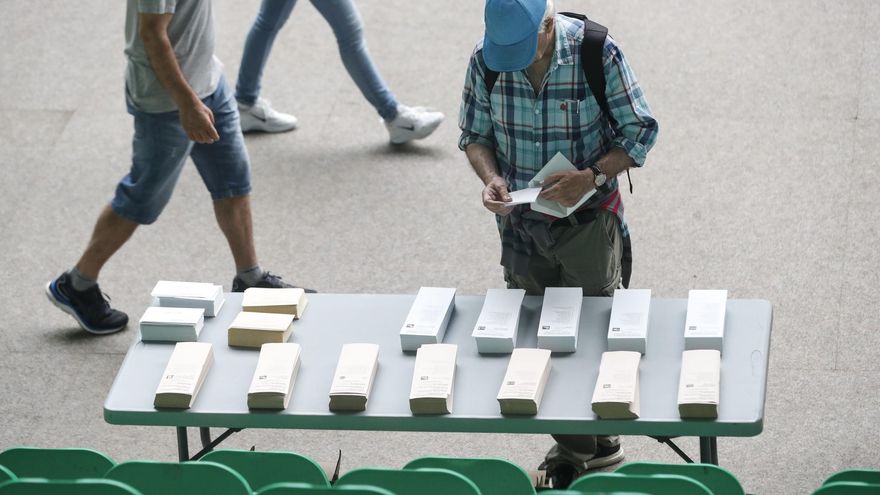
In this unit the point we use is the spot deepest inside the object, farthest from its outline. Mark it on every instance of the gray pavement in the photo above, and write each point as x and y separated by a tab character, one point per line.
761	182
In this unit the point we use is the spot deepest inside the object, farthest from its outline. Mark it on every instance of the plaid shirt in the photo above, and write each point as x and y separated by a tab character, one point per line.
526	130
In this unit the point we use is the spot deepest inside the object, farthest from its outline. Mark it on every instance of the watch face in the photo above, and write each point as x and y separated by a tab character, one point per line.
600	180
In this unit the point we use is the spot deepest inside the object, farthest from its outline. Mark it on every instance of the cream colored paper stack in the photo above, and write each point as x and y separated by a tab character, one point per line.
255	329
523	386
272	384
354	377
699	387
184	375
433	379
617	388
288	301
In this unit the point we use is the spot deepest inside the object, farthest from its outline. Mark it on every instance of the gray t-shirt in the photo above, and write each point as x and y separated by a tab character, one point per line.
191	32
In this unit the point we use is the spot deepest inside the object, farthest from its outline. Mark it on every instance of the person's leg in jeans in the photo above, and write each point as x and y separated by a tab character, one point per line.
257	46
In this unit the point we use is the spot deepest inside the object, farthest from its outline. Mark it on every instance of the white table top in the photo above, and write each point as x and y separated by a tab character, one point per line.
331	320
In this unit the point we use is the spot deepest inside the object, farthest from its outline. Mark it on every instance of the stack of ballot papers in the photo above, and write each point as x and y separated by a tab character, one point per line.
189	295
498	323
704	326
524	382
628	327
428	318
617	389
272	384
560	318
433	379
171	324
699	387
559	163
288	301
255	329
184	375
354	376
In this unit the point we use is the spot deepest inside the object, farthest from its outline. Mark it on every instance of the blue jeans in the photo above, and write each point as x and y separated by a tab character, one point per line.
344	19
160	147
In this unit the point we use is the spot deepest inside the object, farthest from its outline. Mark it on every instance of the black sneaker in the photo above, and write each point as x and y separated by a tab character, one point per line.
561	475
90	307
605	456
268	281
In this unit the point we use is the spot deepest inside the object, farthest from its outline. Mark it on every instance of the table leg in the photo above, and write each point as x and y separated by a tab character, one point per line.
205	435
709	450
182	444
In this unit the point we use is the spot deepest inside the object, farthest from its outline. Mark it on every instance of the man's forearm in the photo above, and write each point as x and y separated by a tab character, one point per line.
482	159
615	162
164	63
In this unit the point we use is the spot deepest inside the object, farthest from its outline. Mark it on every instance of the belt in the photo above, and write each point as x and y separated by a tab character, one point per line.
577	218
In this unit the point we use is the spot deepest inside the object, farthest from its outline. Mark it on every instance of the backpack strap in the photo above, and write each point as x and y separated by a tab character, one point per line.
490	77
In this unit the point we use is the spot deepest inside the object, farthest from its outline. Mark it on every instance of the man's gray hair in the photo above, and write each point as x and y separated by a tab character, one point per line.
549	12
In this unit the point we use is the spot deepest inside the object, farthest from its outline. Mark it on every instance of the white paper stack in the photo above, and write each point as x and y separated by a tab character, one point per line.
524	382
498	323
287	301
433	379
704	328
272	384
255	329
428	317
171	324
354	377
628	327
699	387
560	317
617	389
189	295
184	375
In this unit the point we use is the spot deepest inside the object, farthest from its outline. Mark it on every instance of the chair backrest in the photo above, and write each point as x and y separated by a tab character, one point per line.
716	479
260	469
658	484
86	486
186	478
571	492
6	474
855	475
848	488
31	462
411	481
306	489
492	476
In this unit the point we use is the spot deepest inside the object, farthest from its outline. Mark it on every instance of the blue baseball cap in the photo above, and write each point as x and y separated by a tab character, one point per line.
511	38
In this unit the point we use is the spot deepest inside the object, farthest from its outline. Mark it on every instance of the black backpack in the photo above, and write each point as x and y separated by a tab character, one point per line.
592	52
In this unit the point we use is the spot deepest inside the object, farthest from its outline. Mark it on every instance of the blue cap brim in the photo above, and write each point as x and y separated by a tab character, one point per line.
510	58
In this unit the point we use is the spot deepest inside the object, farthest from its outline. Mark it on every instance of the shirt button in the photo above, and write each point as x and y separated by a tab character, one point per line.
537	144
537	111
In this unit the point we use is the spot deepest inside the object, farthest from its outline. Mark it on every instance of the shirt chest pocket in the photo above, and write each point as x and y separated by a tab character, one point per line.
577	122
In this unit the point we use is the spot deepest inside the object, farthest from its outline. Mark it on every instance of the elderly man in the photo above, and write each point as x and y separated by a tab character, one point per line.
526	97
182	107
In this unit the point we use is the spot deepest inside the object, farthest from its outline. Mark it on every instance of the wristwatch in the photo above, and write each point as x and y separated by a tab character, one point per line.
599	175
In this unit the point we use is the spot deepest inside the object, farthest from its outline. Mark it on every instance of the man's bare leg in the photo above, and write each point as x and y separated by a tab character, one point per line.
234	218
110	233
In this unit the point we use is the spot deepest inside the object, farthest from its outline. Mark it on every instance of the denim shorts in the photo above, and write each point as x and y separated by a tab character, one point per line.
160	147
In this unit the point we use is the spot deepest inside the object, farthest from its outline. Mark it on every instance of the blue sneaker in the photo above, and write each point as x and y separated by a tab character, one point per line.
90	307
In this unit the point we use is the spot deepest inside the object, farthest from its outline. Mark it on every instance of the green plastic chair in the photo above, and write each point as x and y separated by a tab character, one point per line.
56	464
492	476
86	486
260	469
657	484
411	481
848	488
186	478
571	492
306	489
856	476
6	475
717	480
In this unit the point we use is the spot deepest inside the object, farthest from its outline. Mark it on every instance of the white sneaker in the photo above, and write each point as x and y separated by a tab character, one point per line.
412	123
262	117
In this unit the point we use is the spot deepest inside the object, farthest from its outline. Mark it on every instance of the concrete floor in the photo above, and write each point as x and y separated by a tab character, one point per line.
760	183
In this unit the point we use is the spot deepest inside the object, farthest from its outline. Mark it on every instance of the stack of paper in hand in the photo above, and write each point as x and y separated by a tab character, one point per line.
498	323
559	163
524	382
700	384
273	380
189	295
433	379
288	301
628	327
354	376
171	324
704	328
617	389
428	318
560	318
255	329
184	375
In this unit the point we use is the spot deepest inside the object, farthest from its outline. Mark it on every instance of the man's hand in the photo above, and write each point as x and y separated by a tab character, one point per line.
567	188
495	195
198	123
